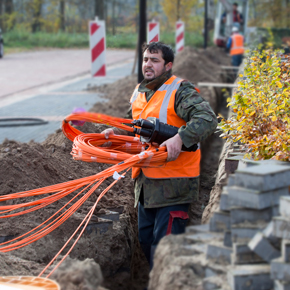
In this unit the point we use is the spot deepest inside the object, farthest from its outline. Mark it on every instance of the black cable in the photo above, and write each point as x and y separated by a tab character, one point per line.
15	122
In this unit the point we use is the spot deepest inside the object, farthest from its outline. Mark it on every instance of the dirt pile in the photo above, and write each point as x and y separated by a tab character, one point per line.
74	275
31	165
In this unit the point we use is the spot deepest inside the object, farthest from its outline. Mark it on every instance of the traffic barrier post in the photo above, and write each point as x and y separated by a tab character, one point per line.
179	36
97	31
152	31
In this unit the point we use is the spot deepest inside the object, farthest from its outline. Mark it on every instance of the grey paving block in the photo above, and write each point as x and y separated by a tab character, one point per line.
250	277
203	237
224	205
268	233
197	229
219	253
242	254
285	247
256	199
228	239
280	270
281	227
261	246
243	234
220	221
213	282
264	177
231	180
280	285
275	210
284	208
241	215
245	163
231	163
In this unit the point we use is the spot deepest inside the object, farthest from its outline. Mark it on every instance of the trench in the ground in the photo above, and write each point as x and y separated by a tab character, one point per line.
211	149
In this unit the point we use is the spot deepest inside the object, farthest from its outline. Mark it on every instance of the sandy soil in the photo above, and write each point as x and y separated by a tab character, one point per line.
26	166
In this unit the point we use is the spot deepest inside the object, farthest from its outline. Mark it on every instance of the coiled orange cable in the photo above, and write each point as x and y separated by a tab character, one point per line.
125	152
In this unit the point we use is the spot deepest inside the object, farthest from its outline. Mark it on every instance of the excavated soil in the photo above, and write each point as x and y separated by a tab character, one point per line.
26	166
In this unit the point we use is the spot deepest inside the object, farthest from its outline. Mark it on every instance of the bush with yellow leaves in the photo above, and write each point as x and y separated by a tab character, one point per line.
260	119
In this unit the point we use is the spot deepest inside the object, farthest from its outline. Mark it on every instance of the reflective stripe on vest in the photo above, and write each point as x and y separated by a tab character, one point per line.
161	106
237	46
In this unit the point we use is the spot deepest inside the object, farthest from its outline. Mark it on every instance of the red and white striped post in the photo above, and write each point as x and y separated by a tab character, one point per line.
97	32
179	36
153	31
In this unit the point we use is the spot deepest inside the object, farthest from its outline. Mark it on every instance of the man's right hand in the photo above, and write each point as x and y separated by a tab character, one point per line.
107	134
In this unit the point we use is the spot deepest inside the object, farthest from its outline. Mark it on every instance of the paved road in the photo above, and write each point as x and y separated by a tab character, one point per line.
52	98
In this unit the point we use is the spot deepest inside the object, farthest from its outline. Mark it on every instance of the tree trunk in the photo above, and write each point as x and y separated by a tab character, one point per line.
9	7
36	25
1	14
62	15
113	17
100	9
178	10
287	13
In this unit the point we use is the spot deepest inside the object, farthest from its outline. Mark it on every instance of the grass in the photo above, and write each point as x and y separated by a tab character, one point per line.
16	40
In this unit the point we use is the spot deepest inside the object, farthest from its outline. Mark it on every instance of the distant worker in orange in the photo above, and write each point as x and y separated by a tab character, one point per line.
235	46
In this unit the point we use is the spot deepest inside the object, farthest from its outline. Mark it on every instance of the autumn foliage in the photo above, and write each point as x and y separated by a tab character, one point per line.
260	119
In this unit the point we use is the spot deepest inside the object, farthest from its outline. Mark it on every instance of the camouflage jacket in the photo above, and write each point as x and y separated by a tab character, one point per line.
200	121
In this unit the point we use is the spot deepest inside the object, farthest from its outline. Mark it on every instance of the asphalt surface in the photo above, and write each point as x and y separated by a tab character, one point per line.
51	99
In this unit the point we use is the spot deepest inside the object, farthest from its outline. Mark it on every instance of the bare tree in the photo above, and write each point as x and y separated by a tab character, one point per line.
62	15
100	9
37	9
9	7
113	17
1	13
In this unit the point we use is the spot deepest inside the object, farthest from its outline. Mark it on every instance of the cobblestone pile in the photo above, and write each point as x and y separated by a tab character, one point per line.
250	232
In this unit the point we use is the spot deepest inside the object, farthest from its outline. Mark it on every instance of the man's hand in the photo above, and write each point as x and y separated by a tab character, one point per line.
107	133
173	146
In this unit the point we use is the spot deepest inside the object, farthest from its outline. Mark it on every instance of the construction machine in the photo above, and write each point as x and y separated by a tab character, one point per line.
224	20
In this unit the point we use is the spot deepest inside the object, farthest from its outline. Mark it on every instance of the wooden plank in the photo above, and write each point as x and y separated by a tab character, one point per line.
229	67
216	85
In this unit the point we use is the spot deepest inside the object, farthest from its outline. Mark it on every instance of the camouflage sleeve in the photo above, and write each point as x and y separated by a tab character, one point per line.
129	114
200	119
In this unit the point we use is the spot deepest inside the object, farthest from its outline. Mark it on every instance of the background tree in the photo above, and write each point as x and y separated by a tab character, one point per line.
62	15
99	9
270	13
185	10
36	7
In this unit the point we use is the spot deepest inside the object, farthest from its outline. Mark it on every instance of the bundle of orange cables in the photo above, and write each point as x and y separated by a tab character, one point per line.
125	152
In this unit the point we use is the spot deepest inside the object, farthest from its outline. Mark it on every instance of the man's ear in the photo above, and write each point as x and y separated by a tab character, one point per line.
168	66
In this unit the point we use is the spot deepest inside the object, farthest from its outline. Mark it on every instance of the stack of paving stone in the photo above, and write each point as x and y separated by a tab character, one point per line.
251	240
279	228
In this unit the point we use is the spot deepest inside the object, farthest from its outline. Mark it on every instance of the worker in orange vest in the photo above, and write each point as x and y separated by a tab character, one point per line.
163	194
235	45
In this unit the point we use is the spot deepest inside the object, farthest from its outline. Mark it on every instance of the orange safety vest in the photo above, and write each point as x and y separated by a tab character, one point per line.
161	106
237	46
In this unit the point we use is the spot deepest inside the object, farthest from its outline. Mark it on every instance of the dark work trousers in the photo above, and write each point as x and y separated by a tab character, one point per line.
155	223
237	59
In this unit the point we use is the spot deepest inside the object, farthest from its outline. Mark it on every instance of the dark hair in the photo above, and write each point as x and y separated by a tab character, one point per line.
153	47
236	4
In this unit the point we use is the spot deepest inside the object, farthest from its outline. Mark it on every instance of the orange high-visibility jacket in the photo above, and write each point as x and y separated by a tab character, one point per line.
237	46
161	106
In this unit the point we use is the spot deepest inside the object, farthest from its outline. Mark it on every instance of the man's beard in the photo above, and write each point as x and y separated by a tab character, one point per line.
154	77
